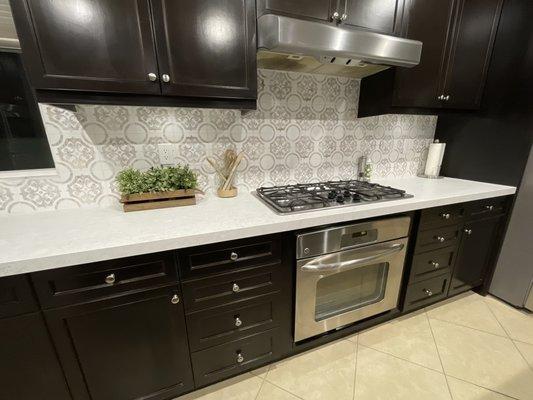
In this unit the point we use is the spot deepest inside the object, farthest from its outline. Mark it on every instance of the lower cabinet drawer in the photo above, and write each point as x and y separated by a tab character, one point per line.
235	357
230	322
486	208
437	238
432	263
426	292
203	293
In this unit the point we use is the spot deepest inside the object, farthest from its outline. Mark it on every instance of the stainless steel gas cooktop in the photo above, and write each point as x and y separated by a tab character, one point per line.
312	196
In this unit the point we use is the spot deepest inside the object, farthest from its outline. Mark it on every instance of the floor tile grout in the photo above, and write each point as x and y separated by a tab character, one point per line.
281	388
440	358
469	327
482	387
403	359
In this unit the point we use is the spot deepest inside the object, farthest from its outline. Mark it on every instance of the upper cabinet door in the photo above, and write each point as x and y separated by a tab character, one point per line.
90	45
206	48
315	9
384	16
473	39
427	21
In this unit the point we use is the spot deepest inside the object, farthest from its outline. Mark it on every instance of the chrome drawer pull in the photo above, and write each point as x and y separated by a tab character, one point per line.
435	264
445	215
428	292
175	299
233	256
468	231
240	358
110	279
235	288
440	239
490	208
238	322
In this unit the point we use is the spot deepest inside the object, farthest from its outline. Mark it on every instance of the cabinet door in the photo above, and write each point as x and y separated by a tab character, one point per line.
427	21
29	368
315	9
475	251
207	48
125	348
381	16
91	45
474	33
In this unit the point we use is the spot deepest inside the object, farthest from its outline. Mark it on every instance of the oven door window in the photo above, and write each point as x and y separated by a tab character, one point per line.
349	290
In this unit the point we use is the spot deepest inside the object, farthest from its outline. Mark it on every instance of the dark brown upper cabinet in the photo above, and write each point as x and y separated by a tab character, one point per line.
457	36
139	51
379	16
97	46
206	48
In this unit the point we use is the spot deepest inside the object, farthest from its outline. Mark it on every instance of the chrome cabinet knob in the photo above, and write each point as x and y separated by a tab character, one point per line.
335	16
235	288
175	299
468	231
435	264
441	97
152	77
166	78
344	17
238	321
447	98
240	358
110	279
445	215
428	292
440	239
233	256
490	208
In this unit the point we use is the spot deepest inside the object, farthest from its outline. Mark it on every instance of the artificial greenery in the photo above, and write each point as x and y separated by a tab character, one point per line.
161	179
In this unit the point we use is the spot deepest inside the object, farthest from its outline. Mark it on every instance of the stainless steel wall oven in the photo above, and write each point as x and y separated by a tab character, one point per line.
348	273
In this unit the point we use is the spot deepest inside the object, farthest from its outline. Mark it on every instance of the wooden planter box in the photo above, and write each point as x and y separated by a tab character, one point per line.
150	201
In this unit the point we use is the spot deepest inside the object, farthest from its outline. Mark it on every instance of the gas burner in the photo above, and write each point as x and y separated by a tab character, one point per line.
313	196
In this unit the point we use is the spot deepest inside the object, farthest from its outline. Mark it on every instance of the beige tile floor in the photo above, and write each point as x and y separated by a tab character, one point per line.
467	348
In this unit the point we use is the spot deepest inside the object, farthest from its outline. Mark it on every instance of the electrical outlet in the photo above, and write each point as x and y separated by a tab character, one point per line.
168	153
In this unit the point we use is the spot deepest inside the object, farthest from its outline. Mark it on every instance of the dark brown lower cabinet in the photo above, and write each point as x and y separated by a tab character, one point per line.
124	348
477	246
29	368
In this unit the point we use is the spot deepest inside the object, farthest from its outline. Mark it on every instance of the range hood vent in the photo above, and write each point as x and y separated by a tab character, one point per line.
295	45
8	34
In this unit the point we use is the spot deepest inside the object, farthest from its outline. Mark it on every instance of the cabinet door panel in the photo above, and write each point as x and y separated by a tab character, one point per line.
213	57
380	16
474	254
316	9
130	347
91	45
29	368
474	33
427	21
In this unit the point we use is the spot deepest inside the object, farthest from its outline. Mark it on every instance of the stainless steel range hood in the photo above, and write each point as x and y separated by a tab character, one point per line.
8	34
296	45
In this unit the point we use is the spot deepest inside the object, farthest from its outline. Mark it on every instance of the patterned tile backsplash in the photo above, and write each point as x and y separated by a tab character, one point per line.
305	129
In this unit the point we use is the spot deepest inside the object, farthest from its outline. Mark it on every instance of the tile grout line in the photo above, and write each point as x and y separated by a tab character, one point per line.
483	387
469	327
262	383
438	354
279	387
509	336
403	359
355	369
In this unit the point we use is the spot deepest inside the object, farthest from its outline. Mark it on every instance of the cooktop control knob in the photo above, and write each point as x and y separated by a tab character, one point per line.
340	198
332	195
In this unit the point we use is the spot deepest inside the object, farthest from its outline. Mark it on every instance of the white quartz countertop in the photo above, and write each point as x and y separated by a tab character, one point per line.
52	239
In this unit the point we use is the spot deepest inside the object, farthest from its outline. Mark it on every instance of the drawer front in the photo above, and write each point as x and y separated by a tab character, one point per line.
86	282
437	238
233	358
222	324
202	293
220	257
442	216
486	208
426	292
16	296
432	263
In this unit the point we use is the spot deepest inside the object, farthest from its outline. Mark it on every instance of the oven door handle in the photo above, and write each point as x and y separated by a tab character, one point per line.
317	265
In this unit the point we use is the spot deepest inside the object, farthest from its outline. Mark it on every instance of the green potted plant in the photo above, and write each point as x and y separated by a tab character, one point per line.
159	187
